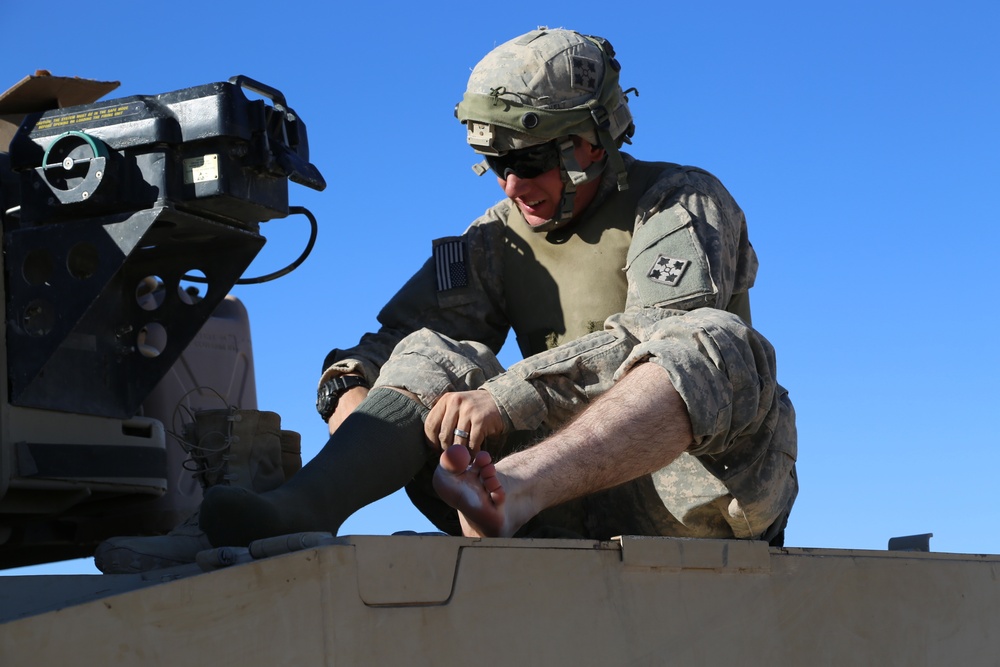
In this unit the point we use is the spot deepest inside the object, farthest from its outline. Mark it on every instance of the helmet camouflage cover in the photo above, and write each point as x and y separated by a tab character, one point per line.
547	85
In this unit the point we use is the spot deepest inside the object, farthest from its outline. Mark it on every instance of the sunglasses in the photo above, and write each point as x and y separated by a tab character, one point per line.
526	162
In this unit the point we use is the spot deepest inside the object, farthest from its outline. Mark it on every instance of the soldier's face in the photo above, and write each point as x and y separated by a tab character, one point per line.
539	197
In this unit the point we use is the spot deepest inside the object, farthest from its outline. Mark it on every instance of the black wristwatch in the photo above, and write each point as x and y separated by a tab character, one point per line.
330	391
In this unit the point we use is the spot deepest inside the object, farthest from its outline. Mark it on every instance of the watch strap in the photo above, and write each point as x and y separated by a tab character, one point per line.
330	391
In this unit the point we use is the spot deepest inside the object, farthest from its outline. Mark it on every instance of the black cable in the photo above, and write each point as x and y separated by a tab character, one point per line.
314	229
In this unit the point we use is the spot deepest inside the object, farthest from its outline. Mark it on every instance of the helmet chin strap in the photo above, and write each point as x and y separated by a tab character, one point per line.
572	177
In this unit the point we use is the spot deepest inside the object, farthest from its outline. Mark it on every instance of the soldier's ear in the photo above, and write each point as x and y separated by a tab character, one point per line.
594	151
597	153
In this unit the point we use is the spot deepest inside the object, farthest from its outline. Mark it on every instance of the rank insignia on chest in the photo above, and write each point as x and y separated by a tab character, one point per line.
667	270
449	265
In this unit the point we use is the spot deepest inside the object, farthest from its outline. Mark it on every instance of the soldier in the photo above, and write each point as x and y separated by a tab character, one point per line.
645	403
626	284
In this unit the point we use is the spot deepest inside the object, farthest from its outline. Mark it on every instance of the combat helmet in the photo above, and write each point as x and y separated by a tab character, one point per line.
544	86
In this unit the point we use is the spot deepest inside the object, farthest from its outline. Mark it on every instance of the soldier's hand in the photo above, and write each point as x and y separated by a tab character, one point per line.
473	412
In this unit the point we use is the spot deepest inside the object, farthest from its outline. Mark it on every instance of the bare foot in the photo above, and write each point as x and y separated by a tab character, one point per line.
472	486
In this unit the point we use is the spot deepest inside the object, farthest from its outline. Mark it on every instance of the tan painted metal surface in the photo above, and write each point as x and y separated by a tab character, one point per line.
426	600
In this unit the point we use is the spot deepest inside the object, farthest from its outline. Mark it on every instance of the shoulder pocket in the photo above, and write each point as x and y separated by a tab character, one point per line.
666	265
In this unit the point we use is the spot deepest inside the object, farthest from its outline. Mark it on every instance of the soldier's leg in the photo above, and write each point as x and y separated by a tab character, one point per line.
739	475
708	372
637	427
376	451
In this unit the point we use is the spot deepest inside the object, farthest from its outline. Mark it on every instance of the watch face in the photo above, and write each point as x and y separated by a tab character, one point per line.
326	401
330	391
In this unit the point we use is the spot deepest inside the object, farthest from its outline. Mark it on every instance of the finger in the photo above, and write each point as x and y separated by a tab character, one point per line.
477	436
464	435
446	430
432	425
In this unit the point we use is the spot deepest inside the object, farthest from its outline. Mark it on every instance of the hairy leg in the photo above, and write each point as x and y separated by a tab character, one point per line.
636	428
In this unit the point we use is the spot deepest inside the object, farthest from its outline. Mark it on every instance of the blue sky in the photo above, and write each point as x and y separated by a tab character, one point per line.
860	138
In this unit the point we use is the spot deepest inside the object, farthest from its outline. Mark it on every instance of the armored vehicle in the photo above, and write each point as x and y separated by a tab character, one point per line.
125	225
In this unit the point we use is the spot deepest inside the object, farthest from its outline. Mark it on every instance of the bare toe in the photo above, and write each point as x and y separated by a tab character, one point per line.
492	483
455	459
471	485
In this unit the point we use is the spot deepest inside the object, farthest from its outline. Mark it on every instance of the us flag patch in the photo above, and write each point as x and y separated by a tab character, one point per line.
449	262
668	270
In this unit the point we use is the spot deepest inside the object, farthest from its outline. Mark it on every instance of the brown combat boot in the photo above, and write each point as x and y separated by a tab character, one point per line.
244	448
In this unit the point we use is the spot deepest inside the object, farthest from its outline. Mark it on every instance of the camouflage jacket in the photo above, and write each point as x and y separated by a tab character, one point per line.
687	249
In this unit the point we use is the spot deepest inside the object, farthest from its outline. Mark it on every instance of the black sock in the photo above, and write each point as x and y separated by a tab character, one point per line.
375	452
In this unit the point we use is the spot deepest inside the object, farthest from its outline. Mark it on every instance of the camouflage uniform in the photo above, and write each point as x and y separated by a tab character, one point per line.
679	299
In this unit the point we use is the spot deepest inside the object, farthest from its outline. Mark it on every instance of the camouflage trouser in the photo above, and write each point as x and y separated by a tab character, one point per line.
695	496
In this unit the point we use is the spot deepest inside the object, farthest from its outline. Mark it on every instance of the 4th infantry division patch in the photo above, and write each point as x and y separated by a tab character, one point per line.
668	270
